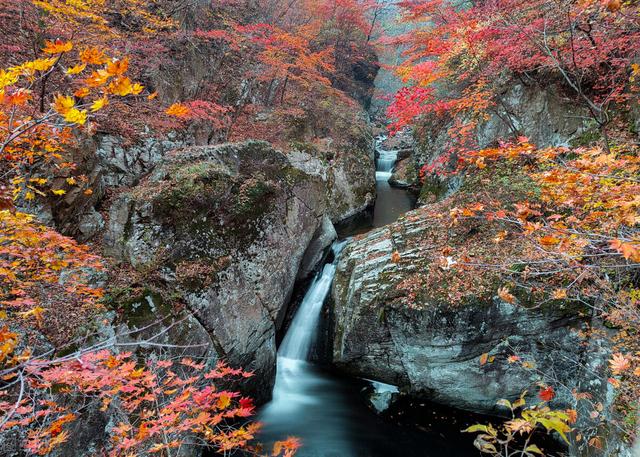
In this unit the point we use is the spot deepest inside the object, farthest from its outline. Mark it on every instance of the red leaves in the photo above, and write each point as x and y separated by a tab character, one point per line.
546	393
170	406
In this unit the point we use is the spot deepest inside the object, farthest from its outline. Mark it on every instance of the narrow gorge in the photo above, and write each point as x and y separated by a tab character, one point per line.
321	228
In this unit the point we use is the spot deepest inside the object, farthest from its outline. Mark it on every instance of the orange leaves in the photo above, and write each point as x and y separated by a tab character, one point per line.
548	241
93	56
57	47
505	295
65	106
286	448
178	110
395	257
118	67
123	86
630	251
619	363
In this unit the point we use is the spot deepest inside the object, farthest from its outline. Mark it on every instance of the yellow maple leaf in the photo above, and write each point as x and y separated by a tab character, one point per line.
63	104
7	78
58	191
39	64
76	69
137	88
121	86
75	116
99	103
35	312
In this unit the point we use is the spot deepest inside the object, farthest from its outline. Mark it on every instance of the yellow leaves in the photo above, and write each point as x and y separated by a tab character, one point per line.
76	116
58	192
619	363
65	106
178	110
505	295
99	103
152	96
71	181
76	69
8	78
559	294
57	47
123	87
35	312
548	241
38	65
223	402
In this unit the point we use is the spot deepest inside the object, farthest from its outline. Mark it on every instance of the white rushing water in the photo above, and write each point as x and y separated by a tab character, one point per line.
386	160
297	342
323	410
307	403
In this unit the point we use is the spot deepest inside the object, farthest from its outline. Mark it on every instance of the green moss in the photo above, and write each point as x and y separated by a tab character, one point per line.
587	138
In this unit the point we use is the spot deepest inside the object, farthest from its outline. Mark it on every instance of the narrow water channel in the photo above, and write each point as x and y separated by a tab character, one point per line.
327	411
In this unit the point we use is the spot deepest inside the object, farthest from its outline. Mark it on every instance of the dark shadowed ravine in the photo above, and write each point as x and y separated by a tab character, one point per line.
327	411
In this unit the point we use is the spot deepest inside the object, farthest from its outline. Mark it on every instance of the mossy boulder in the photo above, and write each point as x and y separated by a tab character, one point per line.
224	231
406	316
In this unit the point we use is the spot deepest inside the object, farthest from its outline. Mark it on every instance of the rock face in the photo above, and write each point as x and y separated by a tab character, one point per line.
403	317
348	172
432	348
541	114
225	228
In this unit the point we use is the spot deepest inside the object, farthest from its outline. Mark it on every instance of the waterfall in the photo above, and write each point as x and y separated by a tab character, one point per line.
385	163
297	342
386	160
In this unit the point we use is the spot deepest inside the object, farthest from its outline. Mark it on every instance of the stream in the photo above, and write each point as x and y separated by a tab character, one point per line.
327	411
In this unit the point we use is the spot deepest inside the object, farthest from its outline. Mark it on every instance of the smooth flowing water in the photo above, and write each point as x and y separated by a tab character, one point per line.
391	202
327	411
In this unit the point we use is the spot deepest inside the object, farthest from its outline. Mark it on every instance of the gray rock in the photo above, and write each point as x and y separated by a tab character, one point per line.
432	349
227	228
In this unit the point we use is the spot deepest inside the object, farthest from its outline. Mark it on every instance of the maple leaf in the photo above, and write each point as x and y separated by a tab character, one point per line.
99	103
178	110
76	69
619	363
76	116
395	257
57	47
520	426
35	312
559	294
546	393
505	295
118	67
63	104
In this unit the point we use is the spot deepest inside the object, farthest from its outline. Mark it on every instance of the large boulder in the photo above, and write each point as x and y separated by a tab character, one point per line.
225	230
404	316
